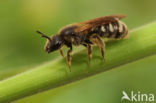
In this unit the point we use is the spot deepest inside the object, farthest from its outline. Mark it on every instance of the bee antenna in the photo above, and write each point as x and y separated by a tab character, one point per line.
43	35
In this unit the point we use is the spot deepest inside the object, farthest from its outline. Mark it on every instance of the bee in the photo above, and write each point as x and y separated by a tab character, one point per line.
87	34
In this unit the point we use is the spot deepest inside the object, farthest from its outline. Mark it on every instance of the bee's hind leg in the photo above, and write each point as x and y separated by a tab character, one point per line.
101	45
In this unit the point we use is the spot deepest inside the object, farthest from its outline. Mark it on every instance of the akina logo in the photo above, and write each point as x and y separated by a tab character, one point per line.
137	96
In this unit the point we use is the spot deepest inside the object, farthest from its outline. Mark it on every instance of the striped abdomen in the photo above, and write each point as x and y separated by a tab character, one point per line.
112	30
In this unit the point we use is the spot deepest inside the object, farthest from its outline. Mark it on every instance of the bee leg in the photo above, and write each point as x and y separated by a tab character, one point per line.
61	52
85	45
69	57
101	45
89	47
89	52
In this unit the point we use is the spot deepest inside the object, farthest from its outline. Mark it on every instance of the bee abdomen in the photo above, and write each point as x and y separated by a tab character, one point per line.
112	30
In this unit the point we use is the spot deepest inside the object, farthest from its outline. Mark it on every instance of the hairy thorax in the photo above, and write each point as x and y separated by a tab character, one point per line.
70	36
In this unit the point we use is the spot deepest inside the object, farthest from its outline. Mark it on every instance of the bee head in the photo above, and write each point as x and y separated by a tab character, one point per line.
53	43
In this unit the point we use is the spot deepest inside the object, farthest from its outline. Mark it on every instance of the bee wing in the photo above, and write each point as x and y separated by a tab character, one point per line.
98	21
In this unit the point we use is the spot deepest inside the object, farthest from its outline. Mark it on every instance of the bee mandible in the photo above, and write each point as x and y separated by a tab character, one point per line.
87	34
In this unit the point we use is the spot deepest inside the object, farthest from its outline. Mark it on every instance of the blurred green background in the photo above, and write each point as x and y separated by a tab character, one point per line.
21	48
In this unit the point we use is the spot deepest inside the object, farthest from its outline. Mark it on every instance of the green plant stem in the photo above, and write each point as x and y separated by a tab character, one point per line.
142	42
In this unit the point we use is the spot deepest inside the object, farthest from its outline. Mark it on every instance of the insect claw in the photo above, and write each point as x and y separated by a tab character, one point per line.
69	65
104	60
70	69
89	63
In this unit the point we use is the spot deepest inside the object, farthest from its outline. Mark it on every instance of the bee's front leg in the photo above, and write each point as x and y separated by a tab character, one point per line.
69	57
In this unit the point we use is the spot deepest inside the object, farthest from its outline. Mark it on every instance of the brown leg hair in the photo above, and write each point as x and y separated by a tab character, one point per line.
97	40
89	52
89	47
101	45
69	57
